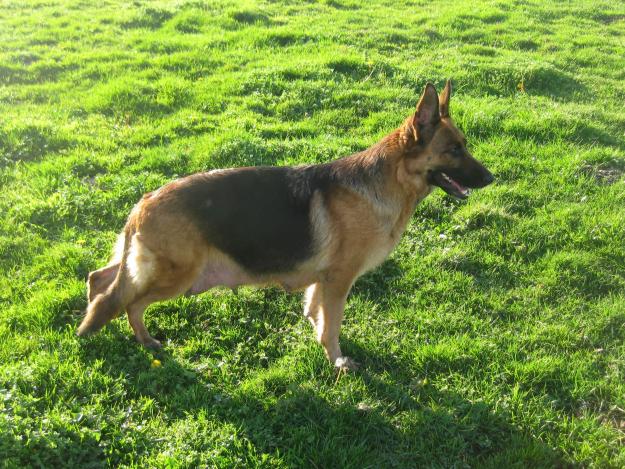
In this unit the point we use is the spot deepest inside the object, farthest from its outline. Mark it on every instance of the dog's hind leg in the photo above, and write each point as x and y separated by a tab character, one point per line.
325	302
135	318
169	282
99	280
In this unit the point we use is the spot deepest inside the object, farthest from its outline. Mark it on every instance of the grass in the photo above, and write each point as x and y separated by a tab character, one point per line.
492	337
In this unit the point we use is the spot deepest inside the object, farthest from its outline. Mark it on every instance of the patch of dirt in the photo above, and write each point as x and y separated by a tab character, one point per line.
605	173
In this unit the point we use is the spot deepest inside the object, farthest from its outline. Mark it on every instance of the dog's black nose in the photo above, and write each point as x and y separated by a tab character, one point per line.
488	178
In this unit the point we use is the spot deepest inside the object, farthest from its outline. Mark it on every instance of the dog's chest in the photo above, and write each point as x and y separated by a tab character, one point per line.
381	248
391	229
377	255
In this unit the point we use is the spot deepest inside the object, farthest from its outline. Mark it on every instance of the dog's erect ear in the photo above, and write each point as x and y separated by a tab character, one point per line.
427	109
418	126
443	100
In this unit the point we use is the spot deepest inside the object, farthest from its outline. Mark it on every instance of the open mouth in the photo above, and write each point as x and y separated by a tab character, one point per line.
449	185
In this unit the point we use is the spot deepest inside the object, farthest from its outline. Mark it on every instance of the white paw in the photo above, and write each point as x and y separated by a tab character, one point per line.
346	364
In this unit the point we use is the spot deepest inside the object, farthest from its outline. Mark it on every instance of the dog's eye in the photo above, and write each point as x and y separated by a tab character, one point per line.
457	151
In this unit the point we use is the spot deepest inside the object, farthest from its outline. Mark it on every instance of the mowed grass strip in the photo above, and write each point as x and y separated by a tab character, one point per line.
493	336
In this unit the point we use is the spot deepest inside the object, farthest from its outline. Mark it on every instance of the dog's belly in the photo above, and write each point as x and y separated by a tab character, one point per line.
229	275
219	275
296	281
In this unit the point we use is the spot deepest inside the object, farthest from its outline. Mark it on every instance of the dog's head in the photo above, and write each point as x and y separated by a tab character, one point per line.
434	149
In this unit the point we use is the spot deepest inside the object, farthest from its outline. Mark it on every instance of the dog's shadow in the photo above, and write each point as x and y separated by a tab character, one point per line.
389	418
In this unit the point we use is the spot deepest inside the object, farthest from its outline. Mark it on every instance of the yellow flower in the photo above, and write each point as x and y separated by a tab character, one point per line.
156	363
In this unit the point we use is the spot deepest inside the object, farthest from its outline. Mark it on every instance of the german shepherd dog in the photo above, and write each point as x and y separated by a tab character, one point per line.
316	227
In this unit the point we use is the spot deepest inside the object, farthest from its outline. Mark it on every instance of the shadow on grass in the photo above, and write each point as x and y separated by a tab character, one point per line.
583	134
50	452
381	416
376	285
287	411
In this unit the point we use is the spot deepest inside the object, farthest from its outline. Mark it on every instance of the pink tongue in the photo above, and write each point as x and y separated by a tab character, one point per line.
458	186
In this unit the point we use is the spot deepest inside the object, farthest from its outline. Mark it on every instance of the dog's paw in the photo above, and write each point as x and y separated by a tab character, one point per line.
152	343
346	364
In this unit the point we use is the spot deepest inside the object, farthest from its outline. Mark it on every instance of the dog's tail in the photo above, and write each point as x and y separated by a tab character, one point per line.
106	306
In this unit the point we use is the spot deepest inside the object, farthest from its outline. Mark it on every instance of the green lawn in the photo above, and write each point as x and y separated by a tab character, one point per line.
494	336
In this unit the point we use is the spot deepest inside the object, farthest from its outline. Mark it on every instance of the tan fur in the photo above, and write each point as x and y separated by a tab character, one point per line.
355	228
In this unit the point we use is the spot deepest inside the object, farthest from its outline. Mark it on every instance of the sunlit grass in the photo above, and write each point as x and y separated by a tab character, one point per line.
492	337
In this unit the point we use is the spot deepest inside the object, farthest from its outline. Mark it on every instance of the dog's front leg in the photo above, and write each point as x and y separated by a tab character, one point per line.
325	303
